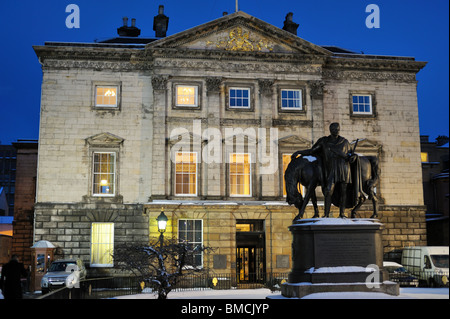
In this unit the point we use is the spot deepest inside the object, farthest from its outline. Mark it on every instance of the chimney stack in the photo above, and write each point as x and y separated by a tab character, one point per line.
160	23
441	140
126	31
289	24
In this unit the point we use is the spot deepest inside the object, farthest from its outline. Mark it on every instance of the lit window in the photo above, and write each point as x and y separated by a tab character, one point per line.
191	231
106	96
186	173
239	98
104	174
362	104
240	174
424	157
102	244
291	100
186	95
286	161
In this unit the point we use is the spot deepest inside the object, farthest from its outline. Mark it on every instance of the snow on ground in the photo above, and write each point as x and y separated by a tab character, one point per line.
405	293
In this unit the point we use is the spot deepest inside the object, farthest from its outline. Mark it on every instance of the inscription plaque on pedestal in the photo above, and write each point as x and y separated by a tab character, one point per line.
343	249
332	242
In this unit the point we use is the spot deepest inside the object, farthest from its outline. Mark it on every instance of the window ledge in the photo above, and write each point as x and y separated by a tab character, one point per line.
118	199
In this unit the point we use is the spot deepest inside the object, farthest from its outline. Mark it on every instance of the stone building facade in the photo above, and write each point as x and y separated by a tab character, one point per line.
199	124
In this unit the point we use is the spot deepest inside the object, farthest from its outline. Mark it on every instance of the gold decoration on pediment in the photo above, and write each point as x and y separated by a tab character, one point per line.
241	40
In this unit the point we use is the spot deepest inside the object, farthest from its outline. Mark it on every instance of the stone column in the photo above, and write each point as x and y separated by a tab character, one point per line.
266	99
160	161
317	114
212	164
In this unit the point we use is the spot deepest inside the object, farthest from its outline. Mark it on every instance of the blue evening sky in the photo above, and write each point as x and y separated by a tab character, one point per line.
416	28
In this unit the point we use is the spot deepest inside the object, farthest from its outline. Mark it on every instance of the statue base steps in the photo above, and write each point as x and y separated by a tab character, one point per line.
300	290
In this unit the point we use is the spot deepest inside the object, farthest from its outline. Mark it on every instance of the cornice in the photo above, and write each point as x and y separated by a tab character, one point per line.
374	63
99	58
136	58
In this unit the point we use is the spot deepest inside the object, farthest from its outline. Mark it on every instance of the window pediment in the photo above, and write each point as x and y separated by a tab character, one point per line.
294	141
104	140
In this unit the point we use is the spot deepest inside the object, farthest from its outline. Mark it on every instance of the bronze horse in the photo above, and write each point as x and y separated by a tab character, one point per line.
307	171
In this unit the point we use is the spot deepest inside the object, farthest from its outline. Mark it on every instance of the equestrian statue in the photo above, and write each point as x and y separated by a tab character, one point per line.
345	177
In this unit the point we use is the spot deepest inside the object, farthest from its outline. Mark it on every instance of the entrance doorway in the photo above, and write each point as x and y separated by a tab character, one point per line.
250	251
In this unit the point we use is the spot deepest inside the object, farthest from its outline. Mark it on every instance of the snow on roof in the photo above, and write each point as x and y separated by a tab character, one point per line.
43	244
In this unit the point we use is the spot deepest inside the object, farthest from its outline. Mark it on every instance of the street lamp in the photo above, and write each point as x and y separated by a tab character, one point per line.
162	223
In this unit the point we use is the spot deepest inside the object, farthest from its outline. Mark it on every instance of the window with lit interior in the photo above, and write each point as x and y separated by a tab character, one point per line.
424	157
286	161
102	244
186	173
106	96
240	174
186	95
104	173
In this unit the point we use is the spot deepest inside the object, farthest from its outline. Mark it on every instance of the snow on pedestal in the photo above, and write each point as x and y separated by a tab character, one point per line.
335	254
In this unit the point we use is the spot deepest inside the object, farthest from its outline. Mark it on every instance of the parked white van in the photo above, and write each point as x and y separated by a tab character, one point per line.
429	263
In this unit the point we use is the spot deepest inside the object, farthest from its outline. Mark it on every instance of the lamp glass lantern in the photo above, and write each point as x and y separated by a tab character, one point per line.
162	222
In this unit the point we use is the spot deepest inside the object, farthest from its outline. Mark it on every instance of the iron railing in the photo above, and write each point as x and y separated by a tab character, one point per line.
110	287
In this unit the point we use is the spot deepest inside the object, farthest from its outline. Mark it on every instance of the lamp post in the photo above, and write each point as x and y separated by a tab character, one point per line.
162	224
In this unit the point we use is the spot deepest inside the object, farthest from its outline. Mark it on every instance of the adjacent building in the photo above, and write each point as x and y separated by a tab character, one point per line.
435	186
8	156
201	124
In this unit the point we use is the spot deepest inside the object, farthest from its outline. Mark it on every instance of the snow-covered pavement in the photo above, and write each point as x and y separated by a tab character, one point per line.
405	293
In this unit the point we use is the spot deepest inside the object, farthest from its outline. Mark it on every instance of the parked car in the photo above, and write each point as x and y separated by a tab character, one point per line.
398	273
59	271
429	263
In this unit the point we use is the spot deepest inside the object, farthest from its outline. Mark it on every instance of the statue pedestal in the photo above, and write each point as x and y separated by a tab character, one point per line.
334	254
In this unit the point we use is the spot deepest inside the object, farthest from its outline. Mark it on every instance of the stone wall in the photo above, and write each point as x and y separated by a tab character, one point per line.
403	226
69	118
68	226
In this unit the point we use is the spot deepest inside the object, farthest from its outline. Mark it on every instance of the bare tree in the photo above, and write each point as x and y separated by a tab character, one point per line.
159	263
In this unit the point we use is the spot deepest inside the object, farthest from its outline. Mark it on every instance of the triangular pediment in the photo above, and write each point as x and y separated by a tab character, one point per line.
366	147
294	140
239	32
183	137
104	139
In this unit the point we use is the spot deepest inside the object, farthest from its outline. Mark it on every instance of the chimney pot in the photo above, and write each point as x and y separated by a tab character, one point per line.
160	23
289	24
126	31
